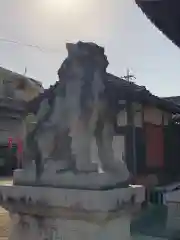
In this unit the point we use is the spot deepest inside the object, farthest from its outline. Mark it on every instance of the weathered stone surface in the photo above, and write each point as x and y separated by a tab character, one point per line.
77	126
68	179
51	213
61	229
68	197
20	197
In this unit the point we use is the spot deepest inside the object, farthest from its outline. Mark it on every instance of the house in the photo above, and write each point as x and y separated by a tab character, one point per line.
144	123
12	125
141	123
18	86
175	99
15	91
164	14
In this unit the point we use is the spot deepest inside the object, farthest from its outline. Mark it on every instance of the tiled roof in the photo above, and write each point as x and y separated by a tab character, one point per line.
175	99
8	74
116	89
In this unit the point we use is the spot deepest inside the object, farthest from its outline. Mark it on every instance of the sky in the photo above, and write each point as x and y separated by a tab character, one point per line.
129	38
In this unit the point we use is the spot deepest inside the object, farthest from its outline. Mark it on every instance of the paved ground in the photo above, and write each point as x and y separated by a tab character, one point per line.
4	224
5	181
4	218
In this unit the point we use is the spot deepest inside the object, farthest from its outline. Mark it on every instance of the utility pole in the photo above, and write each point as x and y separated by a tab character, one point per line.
25	71
128	77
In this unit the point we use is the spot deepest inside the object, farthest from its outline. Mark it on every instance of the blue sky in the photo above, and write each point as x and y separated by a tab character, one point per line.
131	41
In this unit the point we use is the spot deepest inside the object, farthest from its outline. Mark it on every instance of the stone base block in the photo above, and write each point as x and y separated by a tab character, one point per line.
34	228
42	213
172	201
68	179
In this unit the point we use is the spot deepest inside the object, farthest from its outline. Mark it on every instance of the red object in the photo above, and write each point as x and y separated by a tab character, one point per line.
19	146
19	154
10	140
154	146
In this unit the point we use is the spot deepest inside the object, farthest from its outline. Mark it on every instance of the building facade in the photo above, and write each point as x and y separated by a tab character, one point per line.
141	131
15	91
141	124
18	86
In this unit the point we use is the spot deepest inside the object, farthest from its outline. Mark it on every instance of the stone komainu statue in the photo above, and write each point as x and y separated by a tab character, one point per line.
75	125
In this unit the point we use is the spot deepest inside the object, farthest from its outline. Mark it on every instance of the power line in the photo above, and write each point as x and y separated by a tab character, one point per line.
42	49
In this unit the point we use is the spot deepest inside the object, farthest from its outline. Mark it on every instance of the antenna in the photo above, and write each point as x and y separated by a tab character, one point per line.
128	77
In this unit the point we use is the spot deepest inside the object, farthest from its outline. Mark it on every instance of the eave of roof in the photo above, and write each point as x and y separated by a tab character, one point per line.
174	99
165	15
129	90
117	89
16	75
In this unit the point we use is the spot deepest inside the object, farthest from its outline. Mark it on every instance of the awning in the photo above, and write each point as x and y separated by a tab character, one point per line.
165	15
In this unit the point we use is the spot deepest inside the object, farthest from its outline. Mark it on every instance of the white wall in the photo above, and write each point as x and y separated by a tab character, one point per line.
153	115
137	110
122	118
119	147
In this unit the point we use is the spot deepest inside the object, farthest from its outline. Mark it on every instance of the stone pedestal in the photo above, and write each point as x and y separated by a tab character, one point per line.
172	201
42	213
69	179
